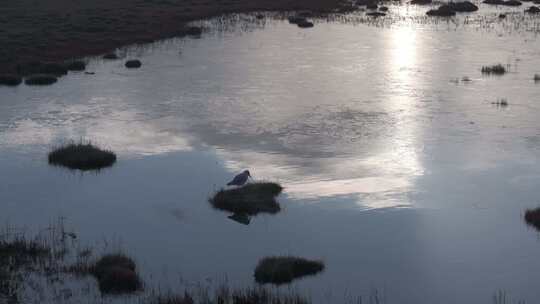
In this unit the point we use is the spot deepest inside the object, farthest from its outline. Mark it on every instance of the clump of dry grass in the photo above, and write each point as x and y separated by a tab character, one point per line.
82	156
497	69
250	199
532	217
116	273
284	269
133	64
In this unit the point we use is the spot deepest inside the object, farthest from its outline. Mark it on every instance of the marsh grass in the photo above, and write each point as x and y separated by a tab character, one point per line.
82	156
40	79
497	69
10	80
532	218
21	256
225	295
250	199
284	269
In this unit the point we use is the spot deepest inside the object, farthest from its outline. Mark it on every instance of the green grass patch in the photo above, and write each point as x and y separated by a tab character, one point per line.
284	269
250	199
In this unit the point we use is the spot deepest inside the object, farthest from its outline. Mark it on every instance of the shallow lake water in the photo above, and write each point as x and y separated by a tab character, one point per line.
400	175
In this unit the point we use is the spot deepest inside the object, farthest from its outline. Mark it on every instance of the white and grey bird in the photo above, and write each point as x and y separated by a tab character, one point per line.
240	179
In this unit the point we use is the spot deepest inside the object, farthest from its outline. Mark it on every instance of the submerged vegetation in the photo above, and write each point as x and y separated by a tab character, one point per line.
497	69
82	156
250	199
284	269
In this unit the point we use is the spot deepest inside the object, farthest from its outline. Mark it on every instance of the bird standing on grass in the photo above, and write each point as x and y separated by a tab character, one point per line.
240	179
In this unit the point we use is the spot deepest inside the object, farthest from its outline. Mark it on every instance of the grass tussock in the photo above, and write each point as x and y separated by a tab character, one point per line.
10	80
133	64
497	69
115	273
536	78
250	199
40	79
81	156
532	217
282	270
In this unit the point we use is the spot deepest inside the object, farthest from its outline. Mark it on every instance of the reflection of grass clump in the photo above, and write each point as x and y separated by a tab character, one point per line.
250	199
280	270
536	77
40	79
532	217
82	156
497	69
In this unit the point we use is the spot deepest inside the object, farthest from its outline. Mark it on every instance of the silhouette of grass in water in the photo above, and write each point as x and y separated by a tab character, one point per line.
281	270
250	199
81	156
532	217
497	69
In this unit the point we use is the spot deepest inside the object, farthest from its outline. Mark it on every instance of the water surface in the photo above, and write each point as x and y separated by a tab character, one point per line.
401	176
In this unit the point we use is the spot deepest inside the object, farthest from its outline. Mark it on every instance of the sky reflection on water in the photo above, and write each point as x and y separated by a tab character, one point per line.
395	174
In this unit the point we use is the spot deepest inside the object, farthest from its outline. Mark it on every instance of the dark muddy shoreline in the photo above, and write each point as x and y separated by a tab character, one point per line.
59	30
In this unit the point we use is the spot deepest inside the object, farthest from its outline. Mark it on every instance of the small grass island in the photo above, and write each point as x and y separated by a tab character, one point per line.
251	199
81	156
